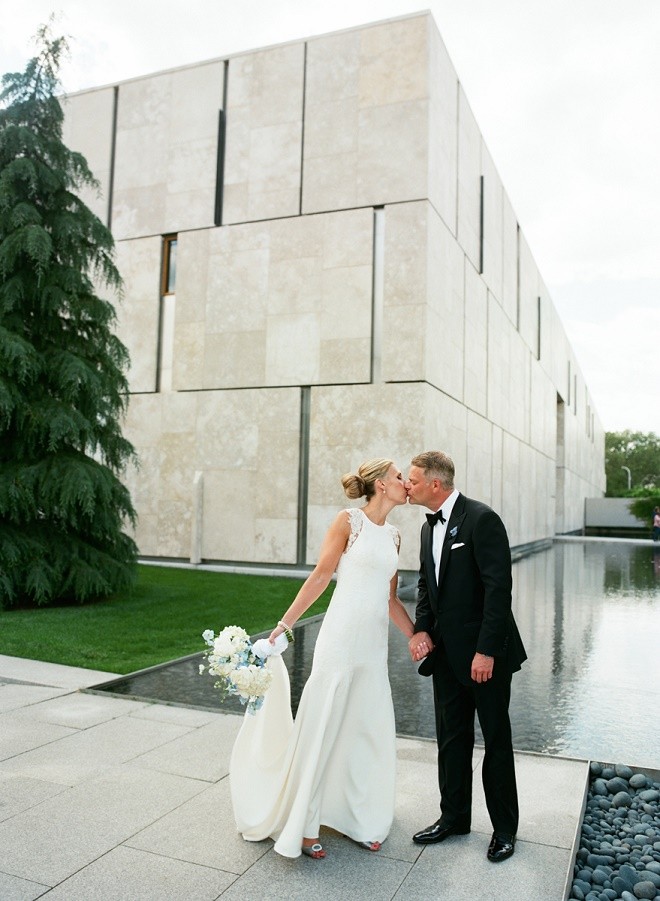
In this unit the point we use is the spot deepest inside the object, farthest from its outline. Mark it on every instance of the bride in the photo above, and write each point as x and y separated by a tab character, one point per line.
335	765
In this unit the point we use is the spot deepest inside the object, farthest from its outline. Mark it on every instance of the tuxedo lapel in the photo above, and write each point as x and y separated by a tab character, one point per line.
427	544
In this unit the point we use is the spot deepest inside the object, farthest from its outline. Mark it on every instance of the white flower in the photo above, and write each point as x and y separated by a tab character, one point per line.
252	681
237	669
220	667
201	668
231	643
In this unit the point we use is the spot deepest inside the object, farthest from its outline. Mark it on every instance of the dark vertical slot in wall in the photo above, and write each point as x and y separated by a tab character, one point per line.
113	151
220	160
538	328
303	473
159	345
481	225
518	277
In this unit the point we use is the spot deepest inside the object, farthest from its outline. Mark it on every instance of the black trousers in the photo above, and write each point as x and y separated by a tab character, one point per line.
455	706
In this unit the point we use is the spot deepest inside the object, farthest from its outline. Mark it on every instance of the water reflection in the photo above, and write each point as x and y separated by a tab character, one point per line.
589	616
588	613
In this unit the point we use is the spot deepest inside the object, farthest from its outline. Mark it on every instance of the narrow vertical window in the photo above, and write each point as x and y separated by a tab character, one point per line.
481	225
518	277
168	278
166	314
538	328
222	144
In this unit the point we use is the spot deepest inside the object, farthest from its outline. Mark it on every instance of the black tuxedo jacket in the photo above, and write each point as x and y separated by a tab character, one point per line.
469	608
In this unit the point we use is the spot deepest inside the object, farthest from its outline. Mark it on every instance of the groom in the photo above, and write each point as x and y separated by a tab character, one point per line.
466	632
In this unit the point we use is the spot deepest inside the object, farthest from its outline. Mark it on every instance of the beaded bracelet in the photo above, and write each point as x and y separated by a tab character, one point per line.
287	631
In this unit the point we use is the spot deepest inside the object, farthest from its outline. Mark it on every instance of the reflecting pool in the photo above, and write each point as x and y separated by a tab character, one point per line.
589	614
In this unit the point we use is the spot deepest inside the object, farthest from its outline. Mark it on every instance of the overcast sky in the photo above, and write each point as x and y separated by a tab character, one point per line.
567	96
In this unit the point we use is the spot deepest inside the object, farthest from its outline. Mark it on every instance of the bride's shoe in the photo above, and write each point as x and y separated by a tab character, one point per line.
368	846
316	851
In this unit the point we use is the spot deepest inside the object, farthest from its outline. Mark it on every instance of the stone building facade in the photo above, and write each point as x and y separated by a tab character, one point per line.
321	265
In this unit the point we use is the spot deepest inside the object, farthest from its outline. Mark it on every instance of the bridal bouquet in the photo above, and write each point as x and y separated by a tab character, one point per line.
239	670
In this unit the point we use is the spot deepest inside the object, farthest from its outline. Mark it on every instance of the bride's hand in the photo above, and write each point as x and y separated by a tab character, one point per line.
278	630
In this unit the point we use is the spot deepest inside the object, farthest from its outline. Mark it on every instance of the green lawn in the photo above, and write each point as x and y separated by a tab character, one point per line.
162	618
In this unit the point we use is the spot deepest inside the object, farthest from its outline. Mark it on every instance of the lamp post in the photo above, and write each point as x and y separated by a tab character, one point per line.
628	471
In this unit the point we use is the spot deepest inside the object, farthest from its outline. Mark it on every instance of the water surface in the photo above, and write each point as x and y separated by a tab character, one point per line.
589	614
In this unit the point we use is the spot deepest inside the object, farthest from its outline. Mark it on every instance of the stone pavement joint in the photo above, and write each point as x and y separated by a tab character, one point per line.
107	798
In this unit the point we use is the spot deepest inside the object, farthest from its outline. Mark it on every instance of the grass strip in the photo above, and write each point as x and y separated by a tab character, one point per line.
162	618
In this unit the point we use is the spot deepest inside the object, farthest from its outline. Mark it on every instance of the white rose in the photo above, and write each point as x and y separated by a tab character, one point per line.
252	681
231	642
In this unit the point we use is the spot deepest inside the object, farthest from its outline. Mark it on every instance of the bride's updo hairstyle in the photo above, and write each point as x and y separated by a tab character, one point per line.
363	482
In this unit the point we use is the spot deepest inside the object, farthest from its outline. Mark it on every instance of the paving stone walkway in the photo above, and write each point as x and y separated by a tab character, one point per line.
109	799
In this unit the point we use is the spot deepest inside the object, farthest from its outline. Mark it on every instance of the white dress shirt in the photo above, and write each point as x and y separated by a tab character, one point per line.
440	529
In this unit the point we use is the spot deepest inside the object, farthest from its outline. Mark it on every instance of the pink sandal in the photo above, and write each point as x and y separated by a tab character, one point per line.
315	851
369	846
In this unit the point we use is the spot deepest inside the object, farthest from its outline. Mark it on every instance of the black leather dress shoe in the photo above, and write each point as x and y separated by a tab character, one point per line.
438	832
501	846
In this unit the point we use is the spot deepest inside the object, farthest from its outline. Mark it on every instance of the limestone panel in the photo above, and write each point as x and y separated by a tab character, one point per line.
555	360
138	311
509	297
496	468
87	129
469	180
264	134
443	128
514	493
446	429
543	418
166	151
478	476
161	427
405	287
366	109
518	390
445	335
493	247
351	424
247	447
500	341
528	306
528	487
476	341
277	299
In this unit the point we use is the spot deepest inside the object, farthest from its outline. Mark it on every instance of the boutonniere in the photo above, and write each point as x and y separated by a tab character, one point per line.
453	532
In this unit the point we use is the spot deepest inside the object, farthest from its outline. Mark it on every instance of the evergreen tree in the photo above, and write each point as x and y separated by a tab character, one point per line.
63	391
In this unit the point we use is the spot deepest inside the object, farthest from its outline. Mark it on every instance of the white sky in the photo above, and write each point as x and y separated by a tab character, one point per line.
567	96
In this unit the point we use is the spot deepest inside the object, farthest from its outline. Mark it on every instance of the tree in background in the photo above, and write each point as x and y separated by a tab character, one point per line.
640	452
63	391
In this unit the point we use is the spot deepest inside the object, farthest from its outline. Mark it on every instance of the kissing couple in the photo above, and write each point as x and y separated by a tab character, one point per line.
334	765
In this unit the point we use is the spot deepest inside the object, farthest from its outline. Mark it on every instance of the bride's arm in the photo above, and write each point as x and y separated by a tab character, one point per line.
398	613
318	580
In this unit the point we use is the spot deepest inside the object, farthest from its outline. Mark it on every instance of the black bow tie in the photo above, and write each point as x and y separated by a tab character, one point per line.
434	517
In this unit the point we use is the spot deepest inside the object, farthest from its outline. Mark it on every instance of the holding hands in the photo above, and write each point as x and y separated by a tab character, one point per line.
420	646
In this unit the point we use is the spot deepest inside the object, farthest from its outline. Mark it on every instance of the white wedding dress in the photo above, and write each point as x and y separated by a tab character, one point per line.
335	765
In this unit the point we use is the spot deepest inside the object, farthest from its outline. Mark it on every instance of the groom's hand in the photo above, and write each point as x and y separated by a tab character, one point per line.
482	667
420	645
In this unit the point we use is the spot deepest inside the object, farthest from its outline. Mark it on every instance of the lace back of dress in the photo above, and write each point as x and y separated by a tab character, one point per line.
355	521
